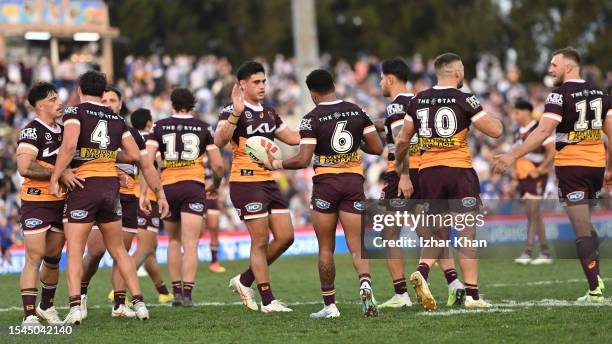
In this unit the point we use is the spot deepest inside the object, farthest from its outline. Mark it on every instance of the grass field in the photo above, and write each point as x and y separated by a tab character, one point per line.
532	304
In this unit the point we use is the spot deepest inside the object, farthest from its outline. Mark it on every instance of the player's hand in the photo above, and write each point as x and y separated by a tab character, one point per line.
145	204
55	189
270	163
534	174
212	194
124	179
502	161
237	100
71	180
608	180
405	187
164	208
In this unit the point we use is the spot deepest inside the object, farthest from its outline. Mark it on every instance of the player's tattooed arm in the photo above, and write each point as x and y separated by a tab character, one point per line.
27	165
72	130
395	132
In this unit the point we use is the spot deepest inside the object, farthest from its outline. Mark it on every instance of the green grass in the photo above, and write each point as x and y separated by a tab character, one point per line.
295	279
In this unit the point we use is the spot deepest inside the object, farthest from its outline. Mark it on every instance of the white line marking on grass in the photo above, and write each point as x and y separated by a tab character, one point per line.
465	311
537	283
551	303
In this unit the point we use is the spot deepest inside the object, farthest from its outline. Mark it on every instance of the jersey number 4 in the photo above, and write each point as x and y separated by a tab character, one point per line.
100	134
191	146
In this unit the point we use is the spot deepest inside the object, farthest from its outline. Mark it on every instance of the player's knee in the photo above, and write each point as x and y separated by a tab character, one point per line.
586	246
51	262
34	257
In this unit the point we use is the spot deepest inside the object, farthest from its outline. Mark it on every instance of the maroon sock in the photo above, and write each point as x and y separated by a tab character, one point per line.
74	300
47	295
423	268
187	289
591	270
472	290
329	294
247	278
119	298
84	286
451	275
365	278
161	288
266	293
214	254
136	299
400	286
177	288
28	297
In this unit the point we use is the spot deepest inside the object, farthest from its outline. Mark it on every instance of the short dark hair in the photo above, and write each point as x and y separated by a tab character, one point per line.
321	81
569	53
39	92
523	104
249	68
140	117
92	83
441	61
396	67
114	90
182	99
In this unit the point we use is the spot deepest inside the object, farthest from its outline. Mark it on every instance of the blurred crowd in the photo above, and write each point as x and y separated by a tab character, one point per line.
147	82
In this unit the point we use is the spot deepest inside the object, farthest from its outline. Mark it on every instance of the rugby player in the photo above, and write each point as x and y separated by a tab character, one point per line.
531	172
253	191
442	116
93	135
394	77
183	141
212	222
41	211
577	111
333	132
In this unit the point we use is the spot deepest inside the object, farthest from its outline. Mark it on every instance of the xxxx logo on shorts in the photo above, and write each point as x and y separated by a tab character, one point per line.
142	221
78	214
33	222
468	202
359	205
253	207
155	221
196	206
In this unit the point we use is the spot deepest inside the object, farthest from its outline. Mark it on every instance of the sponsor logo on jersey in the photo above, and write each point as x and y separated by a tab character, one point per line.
246	172
34	191
47	153
263	128
248	114
78	214
473	102
28	134
469	202
394	109
92	153
33	222
306	124
178	163
555	99
575	196
71	110
253	207
321	204
196	206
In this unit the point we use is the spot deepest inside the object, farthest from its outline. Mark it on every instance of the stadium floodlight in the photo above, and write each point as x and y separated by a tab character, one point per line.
37	36
86	36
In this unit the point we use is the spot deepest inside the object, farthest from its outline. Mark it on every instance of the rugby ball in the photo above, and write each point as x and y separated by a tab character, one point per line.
256	147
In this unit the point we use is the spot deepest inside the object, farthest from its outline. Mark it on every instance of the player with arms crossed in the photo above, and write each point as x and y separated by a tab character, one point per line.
393	81
253	191
184	141
575	110
93	135
442	116
531	171
333	132
41	211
